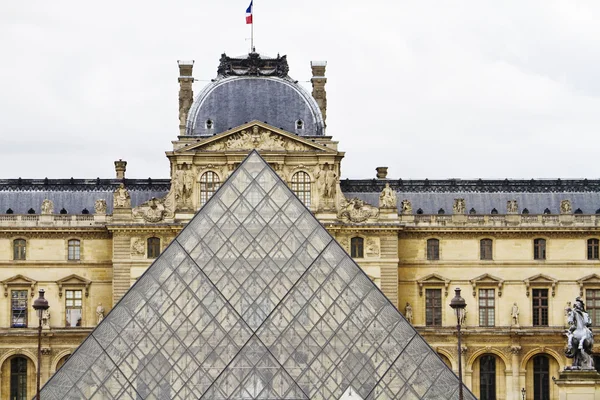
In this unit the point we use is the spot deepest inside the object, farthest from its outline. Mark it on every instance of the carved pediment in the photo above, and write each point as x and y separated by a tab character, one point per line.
487	279
18	281
433	280
74	280
540	280
588	280
256	135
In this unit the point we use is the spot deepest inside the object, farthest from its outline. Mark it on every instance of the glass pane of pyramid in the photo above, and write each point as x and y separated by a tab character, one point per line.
254	300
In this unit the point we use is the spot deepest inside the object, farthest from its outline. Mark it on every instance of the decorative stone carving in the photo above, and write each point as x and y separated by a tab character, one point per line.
326	181
459	206
184	186
565	207
372	247
138	247
99	313
512	207
580	339
265	140
515	349
254	65
153	210
408	313
463	317
46	351
406	207
47	207
356	210
514	314
100	206
46	319
567	311
122	199
344	241
387	197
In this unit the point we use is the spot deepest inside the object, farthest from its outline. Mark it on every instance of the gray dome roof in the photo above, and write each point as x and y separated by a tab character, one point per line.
254	87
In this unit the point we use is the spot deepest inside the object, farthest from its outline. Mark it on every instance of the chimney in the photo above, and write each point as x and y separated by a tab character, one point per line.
381	172
318	81
120	167
186	94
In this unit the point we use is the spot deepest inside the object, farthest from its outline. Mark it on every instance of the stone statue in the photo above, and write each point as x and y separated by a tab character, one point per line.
47	207
463	317
459	206
512	207
387	198
565	207
100	206
567	311
357	210
408	313
328	179
121	197
46	319
580	339
514	313
99	313
406	207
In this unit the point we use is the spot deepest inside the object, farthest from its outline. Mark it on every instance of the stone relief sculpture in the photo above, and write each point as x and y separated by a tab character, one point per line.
565	207
184	185
327	180
580	339
408	313
512	207
372	248
255	139
459	206
356	210
138	247
47	207
122	199
406	207
387	198
514	314
99	313
153	210
100	206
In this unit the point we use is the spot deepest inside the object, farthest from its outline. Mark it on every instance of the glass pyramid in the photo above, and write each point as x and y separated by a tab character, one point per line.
254	300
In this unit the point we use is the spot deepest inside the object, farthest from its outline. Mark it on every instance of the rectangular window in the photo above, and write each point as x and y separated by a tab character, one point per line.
19	308
73	303
19	247
592	252
74	250
485	249
433	249
487	307
540	307
433	307
539	249
592	300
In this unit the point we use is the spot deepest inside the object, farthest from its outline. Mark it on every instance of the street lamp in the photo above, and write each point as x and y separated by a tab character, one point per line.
459	304
40	305
523	393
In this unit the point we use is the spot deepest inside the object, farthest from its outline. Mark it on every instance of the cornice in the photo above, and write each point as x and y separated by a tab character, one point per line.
53	233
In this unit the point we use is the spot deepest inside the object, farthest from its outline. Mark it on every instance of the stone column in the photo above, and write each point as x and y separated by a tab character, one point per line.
513	389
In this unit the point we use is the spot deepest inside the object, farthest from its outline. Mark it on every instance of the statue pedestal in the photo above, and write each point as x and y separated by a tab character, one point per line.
122	214
388	214
578	385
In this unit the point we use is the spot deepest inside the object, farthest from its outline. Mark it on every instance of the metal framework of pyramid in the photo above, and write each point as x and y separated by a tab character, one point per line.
254	299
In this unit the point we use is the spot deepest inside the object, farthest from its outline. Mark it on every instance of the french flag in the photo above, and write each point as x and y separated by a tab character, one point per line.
249	14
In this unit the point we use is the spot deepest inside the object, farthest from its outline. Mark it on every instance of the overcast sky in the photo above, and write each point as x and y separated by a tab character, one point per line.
431	89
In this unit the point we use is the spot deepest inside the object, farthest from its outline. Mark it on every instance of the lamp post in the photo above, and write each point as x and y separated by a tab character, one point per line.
40	305
458	304
523	393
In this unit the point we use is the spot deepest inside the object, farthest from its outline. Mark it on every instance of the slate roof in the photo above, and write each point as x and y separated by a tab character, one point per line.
74	195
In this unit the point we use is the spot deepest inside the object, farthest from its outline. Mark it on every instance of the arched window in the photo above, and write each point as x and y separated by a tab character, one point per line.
539	249
485	249
357	247
18	378
74	246
433	249
494	211
301	186
592	249
19	247
487	377
541	377
209	183
153	247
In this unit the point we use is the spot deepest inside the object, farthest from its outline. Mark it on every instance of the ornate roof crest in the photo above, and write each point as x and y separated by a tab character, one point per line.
253	65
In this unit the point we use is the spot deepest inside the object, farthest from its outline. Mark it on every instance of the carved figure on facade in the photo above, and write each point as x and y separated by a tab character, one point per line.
459	206
356	210
514	314
99	313
408	313
406	207
512	207
247	139
46	319
100	206
567	311
565	207
463	317
372	248
153	210
47	207
138	247
184	186
580	339
387	197
122	199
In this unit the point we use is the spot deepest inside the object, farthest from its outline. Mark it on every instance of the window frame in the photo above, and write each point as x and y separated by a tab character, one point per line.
433	308
490	374
357	247
540	245
76	256
537	316
592	302
207	187
486	249
302	188
19	249
593	249
433	249
153	247
18	380
73	306
485	321
25	310
541	377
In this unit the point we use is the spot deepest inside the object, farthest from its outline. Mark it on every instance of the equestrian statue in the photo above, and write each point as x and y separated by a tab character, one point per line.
580	338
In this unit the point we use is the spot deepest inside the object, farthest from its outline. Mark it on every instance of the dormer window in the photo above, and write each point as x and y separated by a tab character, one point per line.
209	124
299	124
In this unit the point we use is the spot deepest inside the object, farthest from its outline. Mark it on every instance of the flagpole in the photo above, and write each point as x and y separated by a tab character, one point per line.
252	30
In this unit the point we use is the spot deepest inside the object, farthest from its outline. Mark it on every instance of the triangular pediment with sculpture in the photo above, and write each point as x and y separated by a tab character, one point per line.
256	135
